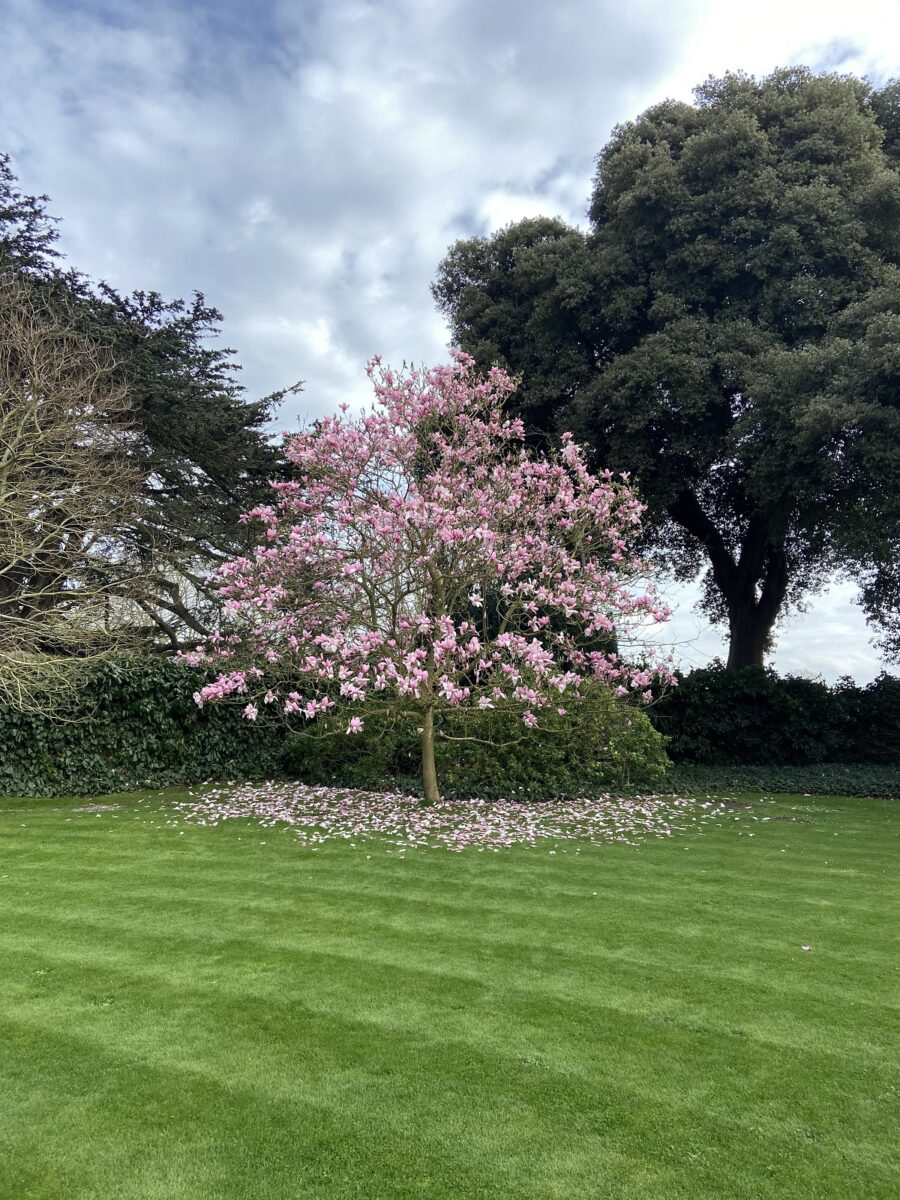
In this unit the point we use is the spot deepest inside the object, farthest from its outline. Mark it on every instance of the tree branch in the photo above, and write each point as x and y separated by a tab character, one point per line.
686	510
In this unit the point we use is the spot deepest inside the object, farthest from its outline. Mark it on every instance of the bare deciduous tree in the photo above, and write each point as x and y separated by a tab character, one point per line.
66	489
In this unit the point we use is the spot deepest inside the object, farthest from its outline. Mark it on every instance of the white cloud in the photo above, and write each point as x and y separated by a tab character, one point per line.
500	208
307	165
828	640
823	34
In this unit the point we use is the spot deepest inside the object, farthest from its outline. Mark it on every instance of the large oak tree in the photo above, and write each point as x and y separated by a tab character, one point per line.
728	330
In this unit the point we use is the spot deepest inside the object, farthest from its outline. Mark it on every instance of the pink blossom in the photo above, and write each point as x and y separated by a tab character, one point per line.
407	535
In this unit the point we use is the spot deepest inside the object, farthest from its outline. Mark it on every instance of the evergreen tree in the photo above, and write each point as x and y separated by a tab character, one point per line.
201	447
727	331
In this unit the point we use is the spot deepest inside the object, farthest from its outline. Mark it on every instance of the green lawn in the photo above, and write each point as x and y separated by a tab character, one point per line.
211	1013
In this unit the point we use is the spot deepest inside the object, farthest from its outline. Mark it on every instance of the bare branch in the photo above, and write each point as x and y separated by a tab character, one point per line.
65	490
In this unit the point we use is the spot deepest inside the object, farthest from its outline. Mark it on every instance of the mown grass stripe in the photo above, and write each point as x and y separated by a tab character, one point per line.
700	920
413	924
408	970
652	893
449	1025
573	1089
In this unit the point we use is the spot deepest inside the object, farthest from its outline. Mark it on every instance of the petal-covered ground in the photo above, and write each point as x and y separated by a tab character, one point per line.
321	814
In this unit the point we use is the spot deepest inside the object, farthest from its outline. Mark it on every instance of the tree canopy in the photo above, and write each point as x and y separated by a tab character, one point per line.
370	580
727	330
201	447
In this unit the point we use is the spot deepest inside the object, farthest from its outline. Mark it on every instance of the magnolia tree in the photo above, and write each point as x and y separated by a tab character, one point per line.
424	560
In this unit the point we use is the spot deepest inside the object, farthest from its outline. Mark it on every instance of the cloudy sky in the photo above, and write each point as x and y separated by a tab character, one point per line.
306	164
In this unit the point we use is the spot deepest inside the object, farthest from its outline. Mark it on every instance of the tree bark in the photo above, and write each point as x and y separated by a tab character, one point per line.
429	769
748	639
753	588
750	619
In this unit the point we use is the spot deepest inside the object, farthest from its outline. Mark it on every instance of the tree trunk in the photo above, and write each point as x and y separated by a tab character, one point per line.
751	619
753	586
749	631
429	770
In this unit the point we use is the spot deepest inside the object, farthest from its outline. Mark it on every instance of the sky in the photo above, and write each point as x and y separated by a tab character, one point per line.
307	165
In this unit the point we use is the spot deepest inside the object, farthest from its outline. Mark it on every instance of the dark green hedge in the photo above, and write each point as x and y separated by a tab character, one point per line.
818	779
752	716
135	726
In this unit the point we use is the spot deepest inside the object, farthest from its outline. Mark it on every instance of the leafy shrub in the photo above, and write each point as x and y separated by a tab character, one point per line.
877	720
753	716
595	746
384	755
136	726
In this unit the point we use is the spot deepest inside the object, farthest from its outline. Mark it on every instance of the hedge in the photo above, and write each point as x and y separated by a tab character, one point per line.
819	779
754	717
598	746
135	726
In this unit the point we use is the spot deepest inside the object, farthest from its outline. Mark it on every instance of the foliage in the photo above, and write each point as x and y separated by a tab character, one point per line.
426	560
384	755
135	724
201	448
601	744
814	779
728	331
877	720
522	298
753	716
27	233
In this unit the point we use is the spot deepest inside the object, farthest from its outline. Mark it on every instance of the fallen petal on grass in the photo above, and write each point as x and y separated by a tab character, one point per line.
322	814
